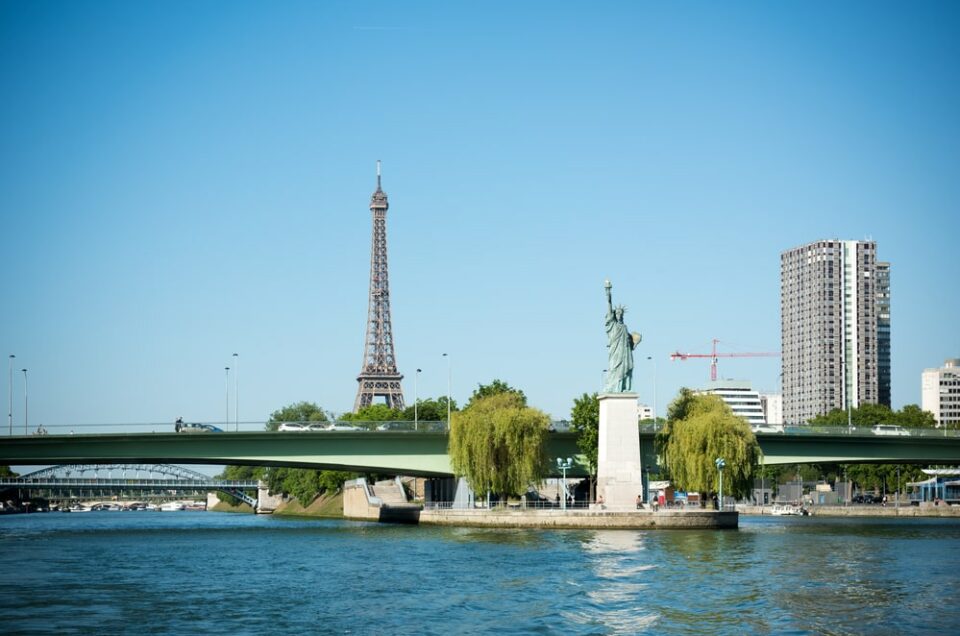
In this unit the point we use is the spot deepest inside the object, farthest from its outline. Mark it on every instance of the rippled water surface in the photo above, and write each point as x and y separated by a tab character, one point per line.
216	573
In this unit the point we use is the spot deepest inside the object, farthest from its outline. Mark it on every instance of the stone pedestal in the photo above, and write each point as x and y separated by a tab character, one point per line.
619	474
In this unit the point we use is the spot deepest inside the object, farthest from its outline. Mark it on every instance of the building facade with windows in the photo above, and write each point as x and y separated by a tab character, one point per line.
940	393
740	397
883	334
772	404
829	327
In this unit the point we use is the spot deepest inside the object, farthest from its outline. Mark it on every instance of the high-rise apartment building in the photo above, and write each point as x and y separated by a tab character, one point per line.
883	334
829	327
940	393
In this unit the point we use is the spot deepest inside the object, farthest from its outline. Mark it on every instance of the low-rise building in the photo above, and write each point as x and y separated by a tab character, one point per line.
740	397
772	405
940	393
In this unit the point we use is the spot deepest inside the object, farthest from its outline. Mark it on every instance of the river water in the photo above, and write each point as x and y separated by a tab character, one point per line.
219	573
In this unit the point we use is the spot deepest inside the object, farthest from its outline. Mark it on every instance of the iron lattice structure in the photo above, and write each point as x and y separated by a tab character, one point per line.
379	376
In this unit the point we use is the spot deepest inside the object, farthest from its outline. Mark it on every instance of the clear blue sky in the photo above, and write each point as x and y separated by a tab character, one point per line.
181	181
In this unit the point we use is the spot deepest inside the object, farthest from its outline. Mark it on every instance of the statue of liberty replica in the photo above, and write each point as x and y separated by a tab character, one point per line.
620	343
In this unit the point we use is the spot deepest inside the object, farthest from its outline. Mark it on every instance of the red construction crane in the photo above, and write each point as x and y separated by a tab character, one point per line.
714	355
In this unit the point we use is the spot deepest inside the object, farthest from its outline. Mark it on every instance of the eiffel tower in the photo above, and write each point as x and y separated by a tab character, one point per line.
379	375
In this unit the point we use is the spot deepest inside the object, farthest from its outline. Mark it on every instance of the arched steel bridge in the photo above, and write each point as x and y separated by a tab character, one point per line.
172	478
425	453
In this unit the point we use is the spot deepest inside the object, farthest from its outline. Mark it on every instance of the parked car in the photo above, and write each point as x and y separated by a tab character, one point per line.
196	427
889	429
341	427
319	426
766	428
291	427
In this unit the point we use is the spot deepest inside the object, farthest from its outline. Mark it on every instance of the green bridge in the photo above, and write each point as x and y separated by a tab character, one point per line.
425	453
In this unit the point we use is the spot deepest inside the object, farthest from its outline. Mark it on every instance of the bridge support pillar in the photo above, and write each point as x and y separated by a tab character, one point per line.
619	470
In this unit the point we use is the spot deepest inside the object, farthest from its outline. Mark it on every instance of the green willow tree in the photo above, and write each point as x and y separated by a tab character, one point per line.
497	444
495	388
701	429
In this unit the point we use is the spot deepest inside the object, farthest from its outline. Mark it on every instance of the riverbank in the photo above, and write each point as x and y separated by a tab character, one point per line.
864	511
597	519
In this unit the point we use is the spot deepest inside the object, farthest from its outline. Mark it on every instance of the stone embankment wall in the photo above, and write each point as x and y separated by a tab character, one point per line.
866	511
506	518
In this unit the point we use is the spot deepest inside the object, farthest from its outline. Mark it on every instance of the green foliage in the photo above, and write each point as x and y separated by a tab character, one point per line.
868	415
299	412
429	410
708	430
496	387
497	442
303	483
680	408
6	472
585	419
882	477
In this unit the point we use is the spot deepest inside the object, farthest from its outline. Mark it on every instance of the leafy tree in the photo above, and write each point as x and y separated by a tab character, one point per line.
429	410
299	412
585	419
496	443
373	413
708	430
6	472
495	388
681	406
868	415
303	483
912	416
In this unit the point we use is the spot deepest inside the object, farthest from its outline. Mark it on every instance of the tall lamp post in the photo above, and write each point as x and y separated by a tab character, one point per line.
10	403
416	415
654	360
25	402
236	389
603	380
449	377
226	386
564	466
720	464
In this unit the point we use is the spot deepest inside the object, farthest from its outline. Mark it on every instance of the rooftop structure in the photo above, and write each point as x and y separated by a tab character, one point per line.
740	397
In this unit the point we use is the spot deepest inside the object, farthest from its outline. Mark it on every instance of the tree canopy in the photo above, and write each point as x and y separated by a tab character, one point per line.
303	483
429	410
585	419
497	442
298	412
495	388
867	415
708	429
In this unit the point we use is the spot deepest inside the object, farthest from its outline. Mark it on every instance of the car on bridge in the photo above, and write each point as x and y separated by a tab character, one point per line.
889	429
766	428
196	427
292	427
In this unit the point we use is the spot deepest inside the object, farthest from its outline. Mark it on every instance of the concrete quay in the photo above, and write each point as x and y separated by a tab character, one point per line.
509	518
865	511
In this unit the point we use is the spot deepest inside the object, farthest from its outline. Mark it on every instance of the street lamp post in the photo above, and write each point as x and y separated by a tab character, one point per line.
720	464
226	386
449	377
654	360
26	404
10	403
564	466
603	380
236	390
416	415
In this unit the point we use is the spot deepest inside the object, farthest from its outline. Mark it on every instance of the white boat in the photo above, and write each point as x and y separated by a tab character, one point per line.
172	506
788	510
